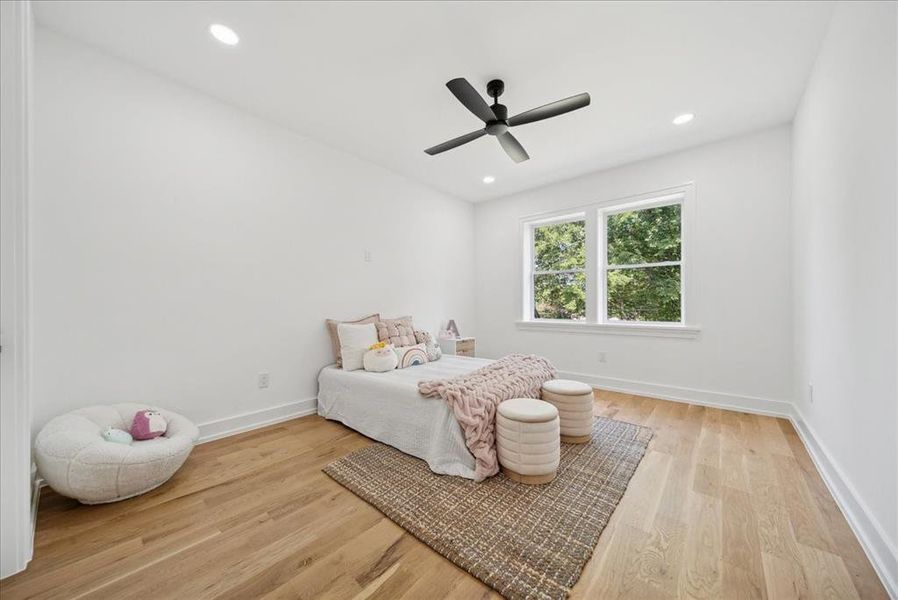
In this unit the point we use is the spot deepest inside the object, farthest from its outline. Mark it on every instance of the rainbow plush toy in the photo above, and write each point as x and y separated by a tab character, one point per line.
148	424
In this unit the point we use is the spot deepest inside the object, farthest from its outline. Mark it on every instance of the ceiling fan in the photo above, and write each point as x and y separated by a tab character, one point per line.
496	116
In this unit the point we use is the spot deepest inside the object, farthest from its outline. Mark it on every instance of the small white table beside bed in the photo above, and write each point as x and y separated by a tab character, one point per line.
388	408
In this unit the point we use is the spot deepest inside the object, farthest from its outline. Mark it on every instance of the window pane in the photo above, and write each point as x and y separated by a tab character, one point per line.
559	296
647	294
560	247
644	236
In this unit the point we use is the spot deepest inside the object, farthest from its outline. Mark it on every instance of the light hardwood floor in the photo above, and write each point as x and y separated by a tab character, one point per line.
724	505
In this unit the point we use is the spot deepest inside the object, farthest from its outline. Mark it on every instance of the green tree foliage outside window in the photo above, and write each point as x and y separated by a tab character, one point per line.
638	237
559	271
649	294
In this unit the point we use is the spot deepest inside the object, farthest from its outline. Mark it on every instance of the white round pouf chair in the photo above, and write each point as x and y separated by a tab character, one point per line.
76	461
574	401
527	440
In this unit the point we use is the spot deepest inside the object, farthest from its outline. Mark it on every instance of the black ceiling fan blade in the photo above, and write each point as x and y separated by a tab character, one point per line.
462	139
513	147
473	101
553	109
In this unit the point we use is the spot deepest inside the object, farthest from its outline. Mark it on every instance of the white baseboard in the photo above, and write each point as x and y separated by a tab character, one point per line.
882	554
751	404
220	428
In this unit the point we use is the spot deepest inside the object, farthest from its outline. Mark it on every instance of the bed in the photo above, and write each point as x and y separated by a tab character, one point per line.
387	407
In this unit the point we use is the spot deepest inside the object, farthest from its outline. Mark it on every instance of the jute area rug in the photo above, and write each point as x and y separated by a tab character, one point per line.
524	541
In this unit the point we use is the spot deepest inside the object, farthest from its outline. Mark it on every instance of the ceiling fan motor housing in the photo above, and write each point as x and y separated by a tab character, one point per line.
499	125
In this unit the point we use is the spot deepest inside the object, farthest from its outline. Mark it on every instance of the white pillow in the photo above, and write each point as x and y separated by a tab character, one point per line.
355	340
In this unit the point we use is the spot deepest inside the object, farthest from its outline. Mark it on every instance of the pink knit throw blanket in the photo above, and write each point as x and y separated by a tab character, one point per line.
473	399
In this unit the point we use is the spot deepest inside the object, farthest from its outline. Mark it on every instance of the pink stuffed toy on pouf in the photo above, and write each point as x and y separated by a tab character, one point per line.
148	424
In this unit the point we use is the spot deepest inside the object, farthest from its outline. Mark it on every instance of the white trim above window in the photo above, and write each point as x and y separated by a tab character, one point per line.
596	269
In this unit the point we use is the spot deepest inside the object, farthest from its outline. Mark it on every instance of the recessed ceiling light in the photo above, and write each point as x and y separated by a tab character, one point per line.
224	34
489	179
683	119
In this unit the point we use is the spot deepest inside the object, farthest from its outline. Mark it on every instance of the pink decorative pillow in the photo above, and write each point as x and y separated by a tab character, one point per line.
148	424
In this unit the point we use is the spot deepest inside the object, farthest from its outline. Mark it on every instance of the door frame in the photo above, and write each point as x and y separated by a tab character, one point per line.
18	506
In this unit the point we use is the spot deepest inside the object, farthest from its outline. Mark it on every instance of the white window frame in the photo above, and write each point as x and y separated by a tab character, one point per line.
596	215
530	262
602	240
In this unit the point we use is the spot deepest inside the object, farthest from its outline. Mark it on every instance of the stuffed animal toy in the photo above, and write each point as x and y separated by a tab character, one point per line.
148	424
119	436
431	346
380	358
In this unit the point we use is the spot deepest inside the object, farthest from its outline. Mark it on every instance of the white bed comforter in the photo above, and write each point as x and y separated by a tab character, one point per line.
387	407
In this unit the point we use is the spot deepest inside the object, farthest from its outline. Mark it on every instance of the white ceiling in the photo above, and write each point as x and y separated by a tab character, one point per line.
369	77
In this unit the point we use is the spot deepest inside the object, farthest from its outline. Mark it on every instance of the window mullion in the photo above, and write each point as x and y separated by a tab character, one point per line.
602	250
592	260
528	266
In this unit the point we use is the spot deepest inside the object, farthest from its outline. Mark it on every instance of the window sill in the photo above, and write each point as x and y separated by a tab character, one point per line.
643	329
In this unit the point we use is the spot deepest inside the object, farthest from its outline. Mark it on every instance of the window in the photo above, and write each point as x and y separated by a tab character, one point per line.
559	271
642	264
614	266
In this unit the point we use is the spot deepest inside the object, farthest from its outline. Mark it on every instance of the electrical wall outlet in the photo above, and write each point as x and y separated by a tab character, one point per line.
264	380
368	257
603	358
811	393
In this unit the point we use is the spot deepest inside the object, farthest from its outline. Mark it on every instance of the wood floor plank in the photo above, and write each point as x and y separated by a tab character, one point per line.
675	496
862	572
732	453
828	578
438	578
743	570
660	558
750	435
783	578
781	559
640	512
809	526
724	505
701	576
617	576
773	436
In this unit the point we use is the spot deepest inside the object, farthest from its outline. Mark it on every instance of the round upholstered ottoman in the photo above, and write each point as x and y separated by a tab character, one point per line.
527	440
76	461
574	401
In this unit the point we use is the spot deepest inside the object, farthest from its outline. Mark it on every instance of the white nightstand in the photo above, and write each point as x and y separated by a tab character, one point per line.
460	346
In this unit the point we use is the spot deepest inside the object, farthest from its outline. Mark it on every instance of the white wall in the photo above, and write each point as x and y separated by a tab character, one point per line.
181	246
844	231
741	269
